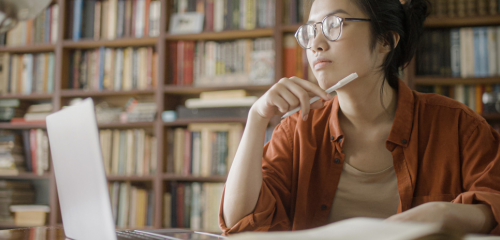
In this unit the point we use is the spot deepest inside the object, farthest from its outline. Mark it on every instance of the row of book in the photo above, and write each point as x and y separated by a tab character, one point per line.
128	152
193	205
111	19
25	151
132	206
295	61
296	11
14	193
203	149
223	15
27	73
41	29
461	52
483	99
464	8
113	69
240	62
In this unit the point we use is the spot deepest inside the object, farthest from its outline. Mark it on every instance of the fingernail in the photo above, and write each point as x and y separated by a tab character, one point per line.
305	117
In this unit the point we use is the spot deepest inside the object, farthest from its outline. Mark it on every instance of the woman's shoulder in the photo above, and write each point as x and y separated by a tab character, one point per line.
442	106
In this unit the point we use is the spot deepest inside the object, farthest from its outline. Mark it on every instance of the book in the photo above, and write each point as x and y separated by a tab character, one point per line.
349	229
228	102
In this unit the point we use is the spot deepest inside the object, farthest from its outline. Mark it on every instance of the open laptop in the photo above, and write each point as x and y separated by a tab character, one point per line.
81	180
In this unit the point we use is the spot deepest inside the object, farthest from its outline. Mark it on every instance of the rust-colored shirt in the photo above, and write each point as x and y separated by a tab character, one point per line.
441	149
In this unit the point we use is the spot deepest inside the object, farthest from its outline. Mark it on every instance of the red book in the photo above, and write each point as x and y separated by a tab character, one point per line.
180	205
289	58
209	16
33	149
188	63
187	153
146	17
21	121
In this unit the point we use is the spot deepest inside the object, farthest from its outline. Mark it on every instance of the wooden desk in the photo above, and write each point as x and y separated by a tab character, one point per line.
34	233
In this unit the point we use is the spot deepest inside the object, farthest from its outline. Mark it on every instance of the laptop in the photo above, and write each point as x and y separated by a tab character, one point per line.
81	180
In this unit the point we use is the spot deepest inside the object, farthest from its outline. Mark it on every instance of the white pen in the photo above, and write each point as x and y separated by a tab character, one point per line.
340	84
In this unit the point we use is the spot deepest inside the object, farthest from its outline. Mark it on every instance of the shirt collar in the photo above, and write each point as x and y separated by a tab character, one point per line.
403	120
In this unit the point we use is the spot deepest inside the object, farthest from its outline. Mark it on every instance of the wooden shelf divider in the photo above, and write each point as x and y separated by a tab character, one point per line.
446	22
436	80
104	93
224	35
119	42
29	48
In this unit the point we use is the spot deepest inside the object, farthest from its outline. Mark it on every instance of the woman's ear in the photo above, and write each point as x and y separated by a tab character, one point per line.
386	46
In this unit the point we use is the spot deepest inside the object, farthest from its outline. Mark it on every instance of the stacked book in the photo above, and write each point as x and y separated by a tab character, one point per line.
203	149
30	215
295	59
240	62
481	98
223	15
14	193
463	8
36	113
217	104
111	19
461	52
193	205
132	206
41	29
27	73
128	152
11	108
113	69
296	11
12	159
140	110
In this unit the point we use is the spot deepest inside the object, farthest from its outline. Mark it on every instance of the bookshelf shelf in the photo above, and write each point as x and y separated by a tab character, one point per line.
185	122
189	90
27	175
492	116
8	125
29	48
121	42
445	22
130	178
126	125
83	93
232	34
35	96
453	81
173	177
290	28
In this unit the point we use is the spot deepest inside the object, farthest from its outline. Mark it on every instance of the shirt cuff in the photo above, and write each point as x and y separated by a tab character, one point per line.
488	198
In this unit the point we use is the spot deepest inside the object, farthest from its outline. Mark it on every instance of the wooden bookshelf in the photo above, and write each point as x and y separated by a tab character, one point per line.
29	48
27	175
14	126
121	42
185	122
225	35
173	177
452	81
446	22
130	178
80	93
43	96
190	90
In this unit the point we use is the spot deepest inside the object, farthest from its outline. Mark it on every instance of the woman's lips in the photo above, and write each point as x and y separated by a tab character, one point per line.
321	65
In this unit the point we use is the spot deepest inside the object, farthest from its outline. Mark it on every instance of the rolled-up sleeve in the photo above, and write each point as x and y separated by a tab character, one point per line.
271	212
481	170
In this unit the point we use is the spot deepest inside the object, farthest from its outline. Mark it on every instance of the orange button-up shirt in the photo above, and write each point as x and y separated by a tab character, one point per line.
441	149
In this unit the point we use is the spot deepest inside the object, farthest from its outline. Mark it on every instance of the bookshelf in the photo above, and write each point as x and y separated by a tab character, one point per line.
168	96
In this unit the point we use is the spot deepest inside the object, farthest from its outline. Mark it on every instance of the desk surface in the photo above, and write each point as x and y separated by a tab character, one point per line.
35	233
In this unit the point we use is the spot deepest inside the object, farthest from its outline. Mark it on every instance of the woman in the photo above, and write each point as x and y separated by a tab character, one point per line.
377	149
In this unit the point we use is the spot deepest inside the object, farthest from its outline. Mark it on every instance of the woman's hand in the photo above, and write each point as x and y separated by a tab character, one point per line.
467	218
288	94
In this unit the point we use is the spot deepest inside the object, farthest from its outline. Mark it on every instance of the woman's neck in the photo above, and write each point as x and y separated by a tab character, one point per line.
361	105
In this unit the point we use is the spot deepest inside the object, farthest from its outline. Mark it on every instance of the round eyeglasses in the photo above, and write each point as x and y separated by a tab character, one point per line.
331	27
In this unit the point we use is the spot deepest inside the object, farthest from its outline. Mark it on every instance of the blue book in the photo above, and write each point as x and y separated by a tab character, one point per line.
455	52
50	77
485	58
77	20
102	51
478	69
47	25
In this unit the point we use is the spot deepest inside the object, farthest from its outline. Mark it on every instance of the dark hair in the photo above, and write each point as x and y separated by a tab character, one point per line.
407	20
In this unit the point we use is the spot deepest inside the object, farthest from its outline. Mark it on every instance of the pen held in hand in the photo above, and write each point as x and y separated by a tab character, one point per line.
340	84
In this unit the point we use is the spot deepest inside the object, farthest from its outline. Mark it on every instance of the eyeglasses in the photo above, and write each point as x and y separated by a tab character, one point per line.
331	27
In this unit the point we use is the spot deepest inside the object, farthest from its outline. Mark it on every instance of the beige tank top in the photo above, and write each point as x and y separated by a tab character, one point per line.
361	194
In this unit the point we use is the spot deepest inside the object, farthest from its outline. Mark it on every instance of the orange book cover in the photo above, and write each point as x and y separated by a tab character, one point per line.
479	98
289	56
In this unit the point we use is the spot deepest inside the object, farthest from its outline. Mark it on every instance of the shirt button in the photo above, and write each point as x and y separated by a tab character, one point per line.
336	160
332	138
323	207
404	141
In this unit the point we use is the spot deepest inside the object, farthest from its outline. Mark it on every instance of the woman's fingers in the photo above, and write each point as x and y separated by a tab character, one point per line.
303	97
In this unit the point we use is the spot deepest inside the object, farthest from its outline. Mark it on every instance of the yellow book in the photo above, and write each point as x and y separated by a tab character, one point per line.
224	94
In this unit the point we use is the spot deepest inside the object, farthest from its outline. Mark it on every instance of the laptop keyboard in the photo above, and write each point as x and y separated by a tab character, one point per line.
127	235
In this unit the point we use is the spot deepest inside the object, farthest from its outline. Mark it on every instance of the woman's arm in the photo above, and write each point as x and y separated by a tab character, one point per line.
244	181
467	218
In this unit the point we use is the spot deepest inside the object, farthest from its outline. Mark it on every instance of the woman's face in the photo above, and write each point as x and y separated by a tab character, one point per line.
350	53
